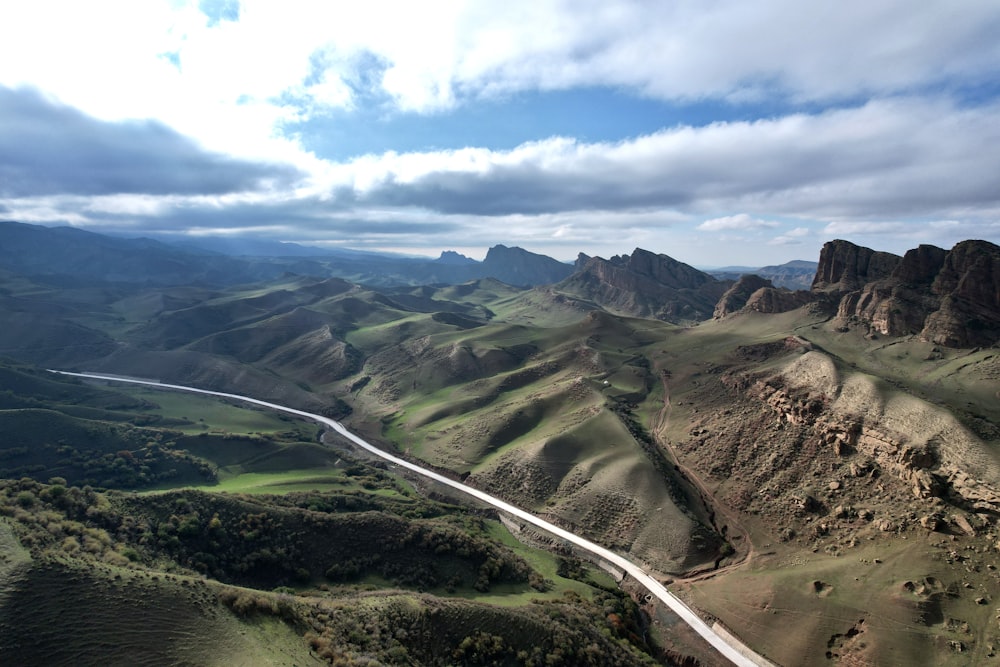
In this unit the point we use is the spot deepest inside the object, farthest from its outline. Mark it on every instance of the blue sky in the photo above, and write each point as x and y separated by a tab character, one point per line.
719	132
587	114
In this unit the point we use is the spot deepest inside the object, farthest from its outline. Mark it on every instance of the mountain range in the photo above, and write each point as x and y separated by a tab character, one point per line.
821	457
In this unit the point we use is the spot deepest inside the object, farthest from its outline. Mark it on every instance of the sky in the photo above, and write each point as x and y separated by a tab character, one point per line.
719	132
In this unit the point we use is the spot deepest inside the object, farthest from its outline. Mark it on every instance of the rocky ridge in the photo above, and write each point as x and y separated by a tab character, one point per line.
516	266
752	293
943	469
645	284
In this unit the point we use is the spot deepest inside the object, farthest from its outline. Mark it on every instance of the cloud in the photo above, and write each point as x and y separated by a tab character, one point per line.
895	112
740	222
48	148
671	51
791	237
235	67
888	158
865	227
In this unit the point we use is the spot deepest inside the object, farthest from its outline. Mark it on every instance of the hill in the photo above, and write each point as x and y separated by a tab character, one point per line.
822	457
275	579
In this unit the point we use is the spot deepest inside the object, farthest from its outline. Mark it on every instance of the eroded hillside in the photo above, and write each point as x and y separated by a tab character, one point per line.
867	504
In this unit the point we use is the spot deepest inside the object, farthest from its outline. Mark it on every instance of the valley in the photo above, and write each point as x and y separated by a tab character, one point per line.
823	459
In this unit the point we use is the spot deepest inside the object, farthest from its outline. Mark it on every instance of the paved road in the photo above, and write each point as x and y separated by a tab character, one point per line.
739	655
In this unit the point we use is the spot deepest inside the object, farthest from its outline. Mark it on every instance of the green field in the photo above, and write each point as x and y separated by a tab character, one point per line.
196	414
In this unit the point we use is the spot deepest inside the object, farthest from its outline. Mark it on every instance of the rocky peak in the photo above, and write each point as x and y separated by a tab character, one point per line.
664	270
845	267
968	286
517	266
452	257
971	272
645	284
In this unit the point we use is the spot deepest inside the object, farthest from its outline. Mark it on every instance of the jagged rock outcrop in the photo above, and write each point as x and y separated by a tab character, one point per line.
846	267
929	470
951	298
645	284
899	304
752	293
969	286
777	300
452	257
736	297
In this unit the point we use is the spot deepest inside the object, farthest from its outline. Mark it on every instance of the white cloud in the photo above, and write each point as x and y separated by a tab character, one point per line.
106	57
865	227
887	159
791	237
741	222
864	171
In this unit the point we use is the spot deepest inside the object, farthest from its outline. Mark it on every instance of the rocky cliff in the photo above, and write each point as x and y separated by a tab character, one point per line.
951	298
968	285
645	284
844	266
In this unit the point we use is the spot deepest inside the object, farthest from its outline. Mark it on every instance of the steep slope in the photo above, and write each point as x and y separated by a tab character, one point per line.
544	418
872	503
644	284
517	266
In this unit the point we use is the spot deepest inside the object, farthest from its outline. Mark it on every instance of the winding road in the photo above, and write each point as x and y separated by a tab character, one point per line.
733	650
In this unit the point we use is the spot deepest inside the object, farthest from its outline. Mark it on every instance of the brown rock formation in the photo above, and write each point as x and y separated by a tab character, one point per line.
736	297
969	287
776	300
951	298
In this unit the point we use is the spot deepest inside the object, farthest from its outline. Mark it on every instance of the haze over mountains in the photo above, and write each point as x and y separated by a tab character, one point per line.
765	449
38	250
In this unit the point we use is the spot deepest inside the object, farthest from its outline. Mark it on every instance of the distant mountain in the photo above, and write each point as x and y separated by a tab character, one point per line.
454	258
645	284
60	253
240	246
796	274
516	266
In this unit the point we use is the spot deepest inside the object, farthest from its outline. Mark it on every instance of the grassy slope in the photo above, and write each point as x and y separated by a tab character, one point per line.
510	394
527	411
124	617
169	617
